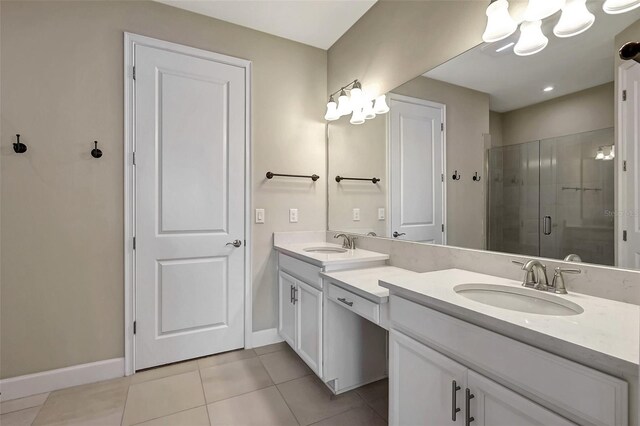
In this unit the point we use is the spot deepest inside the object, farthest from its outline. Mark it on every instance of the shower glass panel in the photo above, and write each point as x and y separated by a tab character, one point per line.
553	197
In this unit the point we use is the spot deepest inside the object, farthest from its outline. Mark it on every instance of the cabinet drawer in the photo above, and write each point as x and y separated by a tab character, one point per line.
361	306
301	270
579	393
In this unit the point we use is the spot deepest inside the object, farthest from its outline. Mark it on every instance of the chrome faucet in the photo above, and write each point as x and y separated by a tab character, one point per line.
557	286
348	242
535	274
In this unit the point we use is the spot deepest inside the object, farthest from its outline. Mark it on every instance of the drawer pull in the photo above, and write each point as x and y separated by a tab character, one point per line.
295	295
291	294
345	301
467	407
454	405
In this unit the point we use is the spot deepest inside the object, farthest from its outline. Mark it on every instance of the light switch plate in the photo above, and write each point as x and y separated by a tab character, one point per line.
381	213
259	215
293	215
356	215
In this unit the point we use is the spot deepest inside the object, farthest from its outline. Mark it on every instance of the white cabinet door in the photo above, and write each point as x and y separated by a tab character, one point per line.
495	405
425	387
287	311
308	301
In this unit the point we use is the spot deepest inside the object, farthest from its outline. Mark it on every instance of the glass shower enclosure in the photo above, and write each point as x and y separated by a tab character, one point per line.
554	197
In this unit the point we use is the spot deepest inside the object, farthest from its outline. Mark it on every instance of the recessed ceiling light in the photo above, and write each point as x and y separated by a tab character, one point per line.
547	89
505	47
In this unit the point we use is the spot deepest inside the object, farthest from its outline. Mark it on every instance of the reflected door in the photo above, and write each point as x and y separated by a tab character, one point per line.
416	167
190	138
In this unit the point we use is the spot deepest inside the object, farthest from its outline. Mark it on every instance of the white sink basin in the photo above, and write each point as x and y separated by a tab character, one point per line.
325	250
518	299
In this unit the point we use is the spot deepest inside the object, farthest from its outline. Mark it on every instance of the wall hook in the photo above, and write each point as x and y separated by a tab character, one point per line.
95	152
456	175
18	146
476	177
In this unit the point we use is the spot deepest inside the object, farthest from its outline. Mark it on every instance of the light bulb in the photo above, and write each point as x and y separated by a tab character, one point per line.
575	19
332	110
540	9
367	110
344	106
614	7
380	106
531	39
500	25
600	154
356	95
357	117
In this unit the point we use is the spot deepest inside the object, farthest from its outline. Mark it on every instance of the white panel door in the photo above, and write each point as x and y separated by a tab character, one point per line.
189	143
308	302
495	405
425	387
630	134
416	166
287	310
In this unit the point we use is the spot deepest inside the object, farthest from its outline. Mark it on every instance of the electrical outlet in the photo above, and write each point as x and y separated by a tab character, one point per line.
259	215
381	213
293	215
356	215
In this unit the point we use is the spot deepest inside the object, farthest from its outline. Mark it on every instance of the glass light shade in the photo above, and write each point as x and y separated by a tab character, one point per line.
540	9
613	7
344	106
600	154
499	23
575	19
531	39
332	111
357	117
380	106
612	154
367	110
356	97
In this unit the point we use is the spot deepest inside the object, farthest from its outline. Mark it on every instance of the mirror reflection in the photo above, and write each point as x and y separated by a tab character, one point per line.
496	151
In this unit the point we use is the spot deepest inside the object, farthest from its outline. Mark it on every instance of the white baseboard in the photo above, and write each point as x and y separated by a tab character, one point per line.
47	381
265	337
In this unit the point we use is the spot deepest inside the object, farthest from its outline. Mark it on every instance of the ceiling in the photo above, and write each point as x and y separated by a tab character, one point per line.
569	64
318	23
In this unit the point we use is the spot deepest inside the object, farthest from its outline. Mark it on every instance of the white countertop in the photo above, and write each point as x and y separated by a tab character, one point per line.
325	259
364	282
606	335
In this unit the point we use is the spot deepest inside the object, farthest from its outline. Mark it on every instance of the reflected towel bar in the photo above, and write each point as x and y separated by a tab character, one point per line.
374	180
313	177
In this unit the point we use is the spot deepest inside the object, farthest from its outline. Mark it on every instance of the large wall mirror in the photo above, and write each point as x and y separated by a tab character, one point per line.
495	151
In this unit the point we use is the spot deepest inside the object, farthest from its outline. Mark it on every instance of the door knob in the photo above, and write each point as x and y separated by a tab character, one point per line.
236	243
397	234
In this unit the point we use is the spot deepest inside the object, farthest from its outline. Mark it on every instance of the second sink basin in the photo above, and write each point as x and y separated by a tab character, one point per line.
518	299
325	250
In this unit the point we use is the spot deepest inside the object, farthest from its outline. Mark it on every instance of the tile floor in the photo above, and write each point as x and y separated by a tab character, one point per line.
266	386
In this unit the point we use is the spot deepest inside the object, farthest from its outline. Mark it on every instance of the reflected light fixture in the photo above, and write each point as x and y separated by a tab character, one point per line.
367	109
332	110
600	154
356	95
500	25
540	9
575	19
531	39
380	106
344	106
612	154
357	117
548	89
614	7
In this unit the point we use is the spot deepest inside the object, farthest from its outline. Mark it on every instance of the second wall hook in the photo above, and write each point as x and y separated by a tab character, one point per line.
456	175
19	147
95	152
476	177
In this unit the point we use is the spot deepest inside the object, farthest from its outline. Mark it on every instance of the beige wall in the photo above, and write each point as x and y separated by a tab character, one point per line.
578	112
495	128
62	210
397	40
467	121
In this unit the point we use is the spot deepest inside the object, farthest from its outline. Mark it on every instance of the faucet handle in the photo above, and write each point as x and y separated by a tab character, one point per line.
517	262
558	285
560	270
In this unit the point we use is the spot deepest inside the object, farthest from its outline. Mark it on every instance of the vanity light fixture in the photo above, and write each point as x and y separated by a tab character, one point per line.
500	25
355	103
540	9
575	19
612	154
531	39
614	7
600	154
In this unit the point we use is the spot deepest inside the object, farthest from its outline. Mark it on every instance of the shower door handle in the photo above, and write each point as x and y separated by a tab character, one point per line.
546	225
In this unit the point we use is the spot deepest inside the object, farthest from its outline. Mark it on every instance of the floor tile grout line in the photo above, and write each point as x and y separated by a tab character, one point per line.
204	395
288	406
126	400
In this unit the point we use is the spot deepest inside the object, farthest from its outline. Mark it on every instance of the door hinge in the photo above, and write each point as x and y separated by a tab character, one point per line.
441	177
624	235
134	243
624	165
442	126
135	327
624	95
134	159
443	227
134	72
